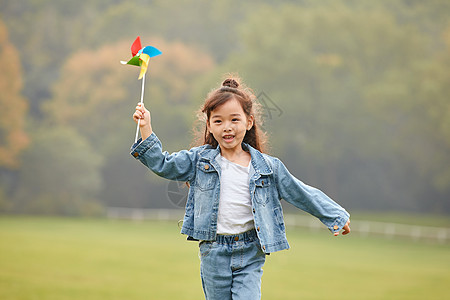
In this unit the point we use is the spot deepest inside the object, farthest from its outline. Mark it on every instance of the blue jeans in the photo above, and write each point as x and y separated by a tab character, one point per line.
231	267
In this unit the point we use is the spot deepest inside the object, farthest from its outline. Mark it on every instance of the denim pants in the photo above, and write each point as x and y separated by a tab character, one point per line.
231	267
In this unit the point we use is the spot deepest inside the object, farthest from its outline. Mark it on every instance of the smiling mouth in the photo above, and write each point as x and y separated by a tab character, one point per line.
228	138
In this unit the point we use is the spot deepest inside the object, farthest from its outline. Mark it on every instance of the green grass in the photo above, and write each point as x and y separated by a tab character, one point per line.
53	258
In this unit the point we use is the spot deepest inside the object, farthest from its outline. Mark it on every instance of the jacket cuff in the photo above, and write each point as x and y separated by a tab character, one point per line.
141	146
339	223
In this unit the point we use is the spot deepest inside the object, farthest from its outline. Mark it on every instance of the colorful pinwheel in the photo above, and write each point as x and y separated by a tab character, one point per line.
141	57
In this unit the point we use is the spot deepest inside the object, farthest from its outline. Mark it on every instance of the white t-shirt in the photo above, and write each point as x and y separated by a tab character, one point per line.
235	206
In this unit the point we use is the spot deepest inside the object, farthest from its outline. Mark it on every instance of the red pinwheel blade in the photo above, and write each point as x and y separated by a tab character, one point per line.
136	46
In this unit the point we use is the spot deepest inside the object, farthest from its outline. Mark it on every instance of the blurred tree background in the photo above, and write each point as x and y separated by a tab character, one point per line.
356	96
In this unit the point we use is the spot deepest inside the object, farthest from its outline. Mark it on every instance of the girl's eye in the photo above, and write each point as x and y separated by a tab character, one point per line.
235	120
217	121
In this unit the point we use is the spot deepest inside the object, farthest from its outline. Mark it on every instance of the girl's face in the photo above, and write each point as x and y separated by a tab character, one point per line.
228	124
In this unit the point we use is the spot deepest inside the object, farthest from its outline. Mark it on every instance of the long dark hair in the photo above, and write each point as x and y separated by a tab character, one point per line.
231	88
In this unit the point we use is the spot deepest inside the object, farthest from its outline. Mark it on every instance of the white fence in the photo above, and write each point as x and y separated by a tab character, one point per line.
389	230
144	214
363	228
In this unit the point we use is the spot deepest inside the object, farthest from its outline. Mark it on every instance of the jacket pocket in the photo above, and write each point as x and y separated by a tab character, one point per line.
262	190
278	212
206	177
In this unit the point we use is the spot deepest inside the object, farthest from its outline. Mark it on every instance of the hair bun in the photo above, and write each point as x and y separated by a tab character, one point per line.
230	82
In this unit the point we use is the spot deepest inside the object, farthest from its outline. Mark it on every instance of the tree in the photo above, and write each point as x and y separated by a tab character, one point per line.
415	106
62	175
13	106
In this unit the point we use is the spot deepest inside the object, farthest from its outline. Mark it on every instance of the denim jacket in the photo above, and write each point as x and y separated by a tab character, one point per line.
270	181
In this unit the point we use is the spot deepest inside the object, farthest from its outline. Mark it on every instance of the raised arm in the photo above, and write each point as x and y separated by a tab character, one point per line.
175	166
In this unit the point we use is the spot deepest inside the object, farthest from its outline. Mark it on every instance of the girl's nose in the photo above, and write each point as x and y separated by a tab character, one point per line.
227	127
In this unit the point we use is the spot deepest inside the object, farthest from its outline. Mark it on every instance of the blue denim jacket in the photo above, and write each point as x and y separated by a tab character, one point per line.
270	182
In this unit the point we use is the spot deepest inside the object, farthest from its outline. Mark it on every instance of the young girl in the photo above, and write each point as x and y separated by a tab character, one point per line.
233	206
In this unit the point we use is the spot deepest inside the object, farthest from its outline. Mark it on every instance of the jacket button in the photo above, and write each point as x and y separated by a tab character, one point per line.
135	154
206	167
254	210
262	182
335	227
257	228
236	238
264	248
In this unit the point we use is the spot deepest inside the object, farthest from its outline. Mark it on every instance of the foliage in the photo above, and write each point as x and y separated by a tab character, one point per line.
359	89
13	106
61	175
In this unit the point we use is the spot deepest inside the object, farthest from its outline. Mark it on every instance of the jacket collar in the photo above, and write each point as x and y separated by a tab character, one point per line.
258	161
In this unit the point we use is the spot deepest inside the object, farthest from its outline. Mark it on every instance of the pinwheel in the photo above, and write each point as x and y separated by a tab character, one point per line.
140	57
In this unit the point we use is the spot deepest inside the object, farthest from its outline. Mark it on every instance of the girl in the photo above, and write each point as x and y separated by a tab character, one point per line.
233	207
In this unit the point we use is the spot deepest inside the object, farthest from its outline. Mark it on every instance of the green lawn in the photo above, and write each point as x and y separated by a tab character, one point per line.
53	258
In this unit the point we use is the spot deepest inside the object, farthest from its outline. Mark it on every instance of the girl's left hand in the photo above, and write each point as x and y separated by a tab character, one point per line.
346	229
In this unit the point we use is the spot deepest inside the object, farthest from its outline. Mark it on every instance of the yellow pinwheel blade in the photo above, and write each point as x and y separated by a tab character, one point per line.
144	58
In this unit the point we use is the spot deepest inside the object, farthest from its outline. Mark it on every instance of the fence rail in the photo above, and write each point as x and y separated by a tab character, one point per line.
362	228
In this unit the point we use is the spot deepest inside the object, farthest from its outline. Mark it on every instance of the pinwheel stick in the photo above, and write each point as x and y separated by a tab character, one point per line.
140	57
142	101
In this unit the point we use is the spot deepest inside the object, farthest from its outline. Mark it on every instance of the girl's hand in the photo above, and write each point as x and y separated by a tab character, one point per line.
346	229
142	115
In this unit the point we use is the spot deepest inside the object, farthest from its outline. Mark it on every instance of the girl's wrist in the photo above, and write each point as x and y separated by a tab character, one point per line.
146	131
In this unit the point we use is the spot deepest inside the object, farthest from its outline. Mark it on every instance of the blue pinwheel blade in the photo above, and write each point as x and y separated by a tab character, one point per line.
151	51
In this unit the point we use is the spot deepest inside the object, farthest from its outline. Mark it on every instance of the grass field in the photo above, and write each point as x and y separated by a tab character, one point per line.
53	258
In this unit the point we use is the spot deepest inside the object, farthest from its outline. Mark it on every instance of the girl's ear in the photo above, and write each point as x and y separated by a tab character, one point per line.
207	126
250	121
